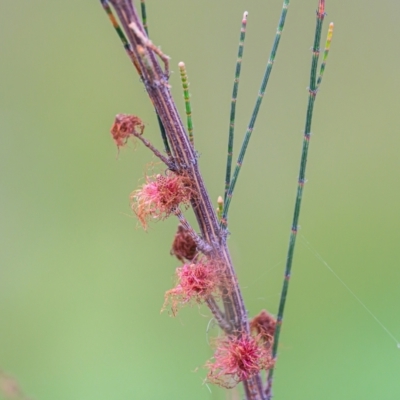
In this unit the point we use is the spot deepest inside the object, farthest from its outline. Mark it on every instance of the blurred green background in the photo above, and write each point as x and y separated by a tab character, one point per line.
81	287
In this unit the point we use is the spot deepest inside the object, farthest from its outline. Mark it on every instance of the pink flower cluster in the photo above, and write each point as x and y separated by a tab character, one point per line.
237	359
159	196
195	281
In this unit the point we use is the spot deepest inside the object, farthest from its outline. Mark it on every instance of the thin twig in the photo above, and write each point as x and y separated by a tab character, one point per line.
166	160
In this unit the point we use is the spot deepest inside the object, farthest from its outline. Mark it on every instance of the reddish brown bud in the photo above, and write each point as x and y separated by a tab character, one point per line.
183	247
263	325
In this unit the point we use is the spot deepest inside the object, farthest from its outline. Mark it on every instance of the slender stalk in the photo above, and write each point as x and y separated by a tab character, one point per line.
264	82
301	180
165	160
233	104
186	96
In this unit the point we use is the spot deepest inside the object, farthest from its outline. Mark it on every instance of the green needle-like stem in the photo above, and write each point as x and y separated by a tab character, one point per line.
233	104
186	96
253	118
144	15
301	180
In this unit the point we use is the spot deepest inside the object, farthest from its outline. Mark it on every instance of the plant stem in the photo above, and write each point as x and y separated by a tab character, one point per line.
155	81
301	180
186	96
233	104
264	82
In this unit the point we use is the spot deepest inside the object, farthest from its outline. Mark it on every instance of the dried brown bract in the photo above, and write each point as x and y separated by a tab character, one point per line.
183	246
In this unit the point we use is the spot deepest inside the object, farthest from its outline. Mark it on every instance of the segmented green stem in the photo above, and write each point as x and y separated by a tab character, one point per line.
186	96
301	180
326	53
253	118
233	104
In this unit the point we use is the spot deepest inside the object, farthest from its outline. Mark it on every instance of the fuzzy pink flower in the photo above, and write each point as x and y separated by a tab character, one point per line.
159	196
195	282
237	359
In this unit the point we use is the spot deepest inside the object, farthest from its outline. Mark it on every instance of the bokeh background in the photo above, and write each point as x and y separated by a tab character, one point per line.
81	287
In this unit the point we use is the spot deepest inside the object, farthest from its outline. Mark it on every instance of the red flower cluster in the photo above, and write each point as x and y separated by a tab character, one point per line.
237	359
195	282
159	196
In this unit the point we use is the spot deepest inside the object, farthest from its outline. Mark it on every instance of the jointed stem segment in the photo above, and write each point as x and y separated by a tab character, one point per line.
186	96
303	163
233	105
264	82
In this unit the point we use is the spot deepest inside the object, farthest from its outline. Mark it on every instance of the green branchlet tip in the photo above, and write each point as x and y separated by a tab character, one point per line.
220	208
186	96
233	103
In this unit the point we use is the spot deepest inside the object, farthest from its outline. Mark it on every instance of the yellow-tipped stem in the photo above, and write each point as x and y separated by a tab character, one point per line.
220	208
326	53
186	96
